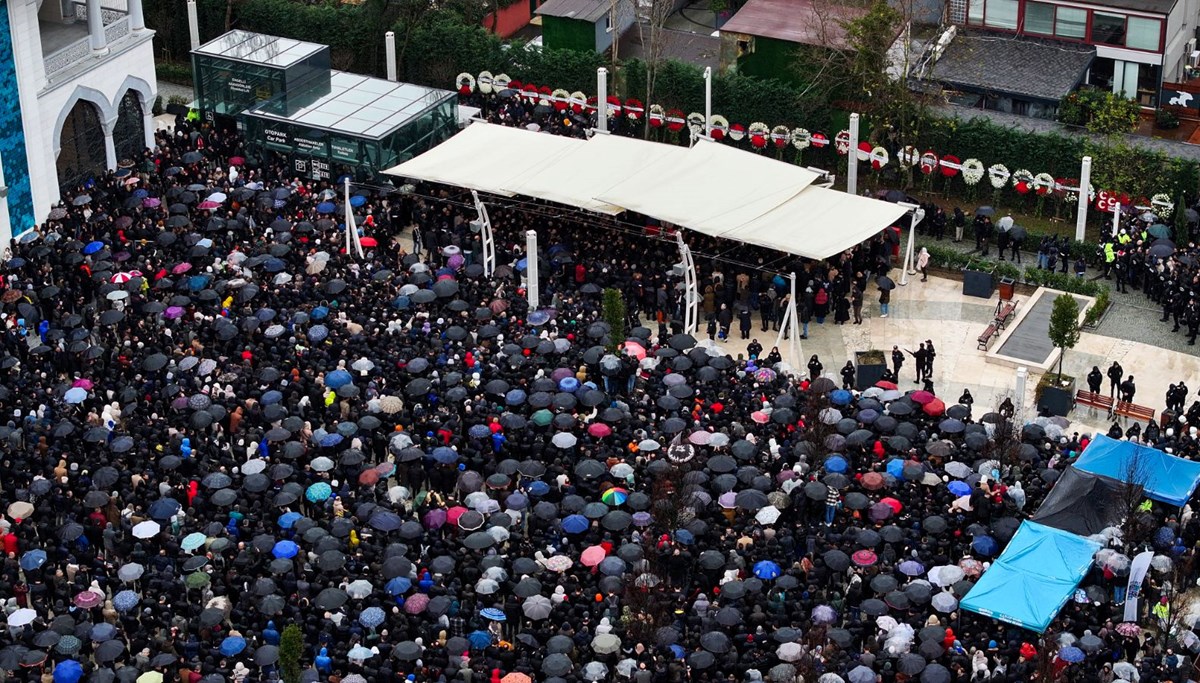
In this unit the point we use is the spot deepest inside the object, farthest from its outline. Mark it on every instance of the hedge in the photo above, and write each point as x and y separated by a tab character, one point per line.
952	259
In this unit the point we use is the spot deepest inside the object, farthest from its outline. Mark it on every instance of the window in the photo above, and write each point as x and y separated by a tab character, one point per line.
1071	23
1143	33
1001	14
1039	18
975	16
1108	29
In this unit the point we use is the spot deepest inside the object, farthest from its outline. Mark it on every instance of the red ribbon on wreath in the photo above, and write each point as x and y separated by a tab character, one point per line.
739	129
758	140
820	139
864	151
675	120
929	162
614	105
591	103
1022	187
530	93
657	120
515	84
717	133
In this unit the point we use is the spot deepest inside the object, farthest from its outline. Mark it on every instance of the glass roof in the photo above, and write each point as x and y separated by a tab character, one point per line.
361	106
259	48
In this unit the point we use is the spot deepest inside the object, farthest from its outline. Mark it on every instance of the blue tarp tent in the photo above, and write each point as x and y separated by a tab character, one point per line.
1033	578
1164	477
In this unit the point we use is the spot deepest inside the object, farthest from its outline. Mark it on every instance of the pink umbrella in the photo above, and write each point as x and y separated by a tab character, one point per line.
635	349
236	161
181	268
864	558
207	205
151	202
416	604
454	513
592	556
87	600
456	261
760	417
922	397
434	519
172	312
83	384
700	438
599	430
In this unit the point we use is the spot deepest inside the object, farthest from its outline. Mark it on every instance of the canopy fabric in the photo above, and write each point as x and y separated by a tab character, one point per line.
714	189
711	188
488	158
1033	578
1165	478
1082	503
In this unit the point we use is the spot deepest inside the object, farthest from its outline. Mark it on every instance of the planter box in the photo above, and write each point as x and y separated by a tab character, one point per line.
1057	399
866	374
978	283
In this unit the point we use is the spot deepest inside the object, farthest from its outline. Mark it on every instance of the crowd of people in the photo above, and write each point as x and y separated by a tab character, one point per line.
235	452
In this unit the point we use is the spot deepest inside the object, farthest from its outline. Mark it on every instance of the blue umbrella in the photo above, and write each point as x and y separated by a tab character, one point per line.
326	207
75	395
140	193
568	384
522	264
69	671
338	378
371	617
92	247
285	550
515	397
492	614
1163	538
841	397
33	559
318	492
445	455
959	488
232	646
357	200
479	432
318	333
684	536
575	524
331	440
287	519
836	464
319	313
197	282
678	651
125	601
102	632
193	541
274	265
385	521
985	545
895	467
1071	654
399	585
164	508
479	639
766	570
271	397
539	488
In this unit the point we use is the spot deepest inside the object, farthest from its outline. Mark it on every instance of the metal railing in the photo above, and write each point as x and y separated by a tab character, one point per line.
116	27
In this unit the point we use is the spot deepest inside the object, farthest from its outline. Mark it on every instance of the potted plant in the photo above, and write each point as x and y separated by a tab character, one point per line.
1056	391
868	368
978	279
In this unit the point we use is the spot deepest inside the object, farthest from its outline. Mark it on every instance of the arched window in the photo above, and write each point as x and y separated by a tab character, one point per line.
129	137
82	146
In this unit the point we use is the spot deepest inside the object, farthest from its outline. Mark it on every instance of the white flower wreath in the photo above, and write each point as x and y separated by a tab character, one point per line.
801	138
500	82
466	79
485	82
1022	175
879	157
560	95
737	132
657	114
841	142
999	175
719	123
695	121
1073	194
972	171
781	133
1043	183
1162	205
909	157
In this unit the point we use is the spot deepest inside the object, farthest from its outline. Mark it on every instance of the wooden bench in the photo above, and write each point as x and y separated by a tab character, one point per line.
986	337
1005	310
1093	401
1133	410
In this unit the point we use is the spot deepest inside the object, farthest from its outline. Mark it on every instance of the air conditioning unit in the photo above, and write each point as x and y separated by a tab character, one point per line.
1193	54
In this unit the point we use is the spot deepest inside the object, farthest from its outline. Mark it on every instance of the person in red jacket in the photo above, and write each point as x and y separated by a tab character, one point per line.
11	544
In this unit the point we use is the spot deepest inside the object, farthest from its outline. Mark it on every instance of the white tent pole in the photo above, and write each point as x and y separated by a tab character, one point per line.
602	99
852	157
691	293
1116	218
486	237
352	242
1022	378
917	215
531	269
795	324
708	101
784	325
1085	179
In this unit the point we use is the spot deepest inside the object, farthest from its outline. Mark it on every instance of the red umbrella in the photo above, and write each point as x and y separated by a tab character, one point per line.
935	407
236	161
922	397
368	241
369	477
886	385
872	481
894	504
454	513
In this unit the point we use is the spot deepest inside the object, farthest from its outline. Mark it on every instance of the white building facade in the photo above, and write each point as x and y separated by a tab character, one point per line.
77	89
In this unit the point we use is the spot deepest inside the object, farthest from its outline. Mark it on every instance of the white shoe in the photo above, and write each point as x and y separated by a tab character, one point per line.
883	316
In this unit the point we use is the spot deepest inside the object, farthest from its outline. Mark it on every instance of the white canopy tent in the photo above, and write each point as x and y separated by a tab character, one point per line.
711	188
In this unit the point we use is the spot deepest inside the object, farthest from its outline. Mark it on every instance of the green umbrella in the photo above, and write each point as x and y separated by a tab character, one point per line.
541	417
197	580
1160	231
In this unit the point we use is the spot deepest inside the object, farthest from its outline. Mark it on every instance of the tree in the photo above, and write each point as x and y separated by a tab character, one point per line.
1113	115
653	21
613	312
1136	524
1064	325
291	648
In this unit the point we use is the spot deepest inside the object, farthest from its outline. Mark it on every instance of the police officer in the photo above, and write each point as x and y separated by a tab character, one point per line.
1192	317
1121	268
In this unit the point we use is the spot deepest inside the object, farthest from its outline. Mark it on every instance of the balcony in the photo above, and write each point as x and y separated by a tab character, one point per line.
67	44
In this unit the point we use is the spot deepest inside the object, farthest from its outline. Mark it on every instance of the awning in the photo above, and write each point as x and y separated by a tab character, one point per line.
711	188
1164	477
